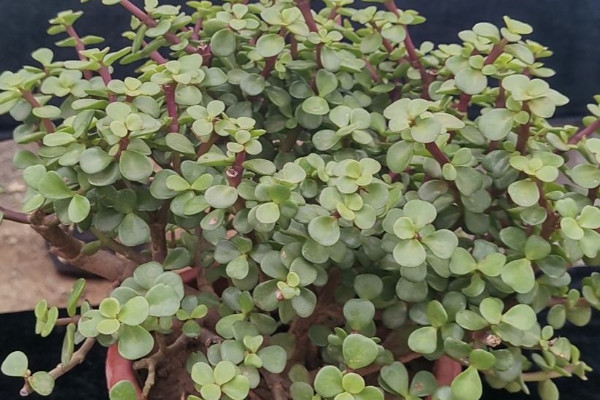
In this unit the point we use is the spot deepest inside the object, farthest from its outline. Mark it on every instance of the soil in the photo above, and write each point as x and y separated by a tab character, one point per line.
27	271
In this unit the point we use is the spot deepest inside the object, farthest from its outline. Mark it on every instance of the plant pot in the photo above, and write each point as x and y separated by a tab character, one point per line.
119	369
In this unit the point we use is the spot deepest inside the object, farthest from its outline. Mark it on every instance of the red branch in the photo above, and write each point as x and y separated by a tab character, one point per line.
28	96
495	52
585	132
412	53
14	216
304	6
236	171
171	107
79	47
150	22
524	131
437	153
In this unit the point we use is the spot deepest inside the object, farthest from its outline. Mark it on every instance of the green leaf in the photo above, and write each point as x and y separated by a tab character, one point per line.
399	156
135	166
524	193
42	383
135	311
585	175
274	358
253	84
224	372
223	43
359	313
163	301
423	340
409	253
519	275
267	213
135	342
482	359
202	374
51	112
328	381
270	45
442	243
179	143
395	377
359	351
470	320
467	385
521	317
496	124
94	160
221	196
491	308
52	186
426	130
238	267
324	230
15	364
548	390
471	81
237	388
122	390
133	230
79	208
315	105
74	296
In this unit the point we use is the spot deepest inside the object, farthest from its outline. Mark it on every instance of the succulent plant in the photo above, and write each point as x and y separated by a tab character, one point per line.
361	217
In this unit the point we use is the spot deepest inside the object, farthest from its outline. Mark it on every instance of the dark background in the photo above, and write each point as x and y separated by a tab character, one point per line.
570	28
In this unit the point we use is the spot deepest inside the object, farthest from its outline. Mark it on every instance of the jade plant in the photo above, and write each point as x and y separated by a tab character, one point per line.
304	205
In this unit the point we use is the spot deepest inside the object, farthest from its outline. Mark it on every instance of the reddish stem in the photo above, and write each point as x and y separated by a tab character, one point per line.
171	107
28	96
138	13
269	65
106	78
14	216
371	70
524	132
79	47
205	147
585	132
412	52
333	13
236	171
150	22
304	6
437	153
495	52
197	27
463	104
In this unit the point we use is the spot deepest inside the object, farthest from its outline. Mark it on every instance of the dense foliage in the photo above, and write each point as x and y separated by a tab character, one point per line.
359	216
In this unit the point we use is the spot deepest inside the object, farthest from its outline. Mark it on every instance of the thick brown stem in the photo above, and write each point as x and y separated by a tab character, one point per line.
102	263
158	233
117	247
14	216
524	132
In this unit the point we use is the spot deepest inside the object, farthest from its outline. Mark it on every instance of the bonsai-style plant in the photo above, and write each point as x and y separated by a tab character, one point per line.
301	204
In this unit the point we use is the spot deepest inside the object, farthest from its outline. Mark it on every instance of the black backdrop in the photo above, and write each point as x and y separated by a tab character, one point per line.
570	28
